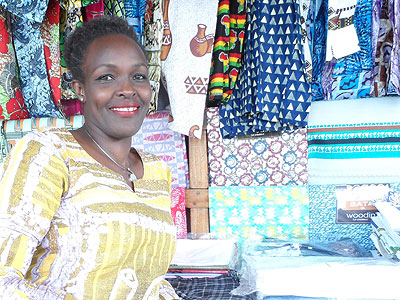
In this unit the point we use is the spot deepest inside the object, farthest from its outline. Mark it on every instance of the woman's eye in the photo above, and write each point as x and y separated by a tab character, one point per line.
106	77
139	77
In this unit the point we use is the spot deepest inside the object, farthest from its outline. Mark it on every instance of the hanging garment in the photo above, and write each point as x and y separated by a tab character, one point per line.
70	18
12	105
227	52
257	212
94	10
50	29
152	39
351	74
178	211
272	92
134	14
394	76
114	8
187	65
30	56
274	159
384	45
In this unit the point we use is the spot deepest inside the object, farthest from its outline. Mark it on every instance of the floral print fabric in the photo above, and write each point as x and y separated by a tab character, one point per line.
275	159
12	104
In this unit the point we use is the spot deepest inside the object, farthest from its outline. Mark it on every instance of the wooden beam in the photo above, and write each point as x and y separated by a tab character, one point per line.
199	222
196	198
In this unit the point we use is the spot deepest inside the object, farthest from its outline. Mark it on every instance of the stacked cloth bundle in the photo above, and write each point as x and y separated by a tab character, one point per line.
203	268
386	226
198	258
338	270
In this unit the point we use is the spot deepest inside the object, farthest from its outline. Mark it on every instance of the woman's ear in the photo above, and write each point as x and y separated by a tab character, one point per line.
79	90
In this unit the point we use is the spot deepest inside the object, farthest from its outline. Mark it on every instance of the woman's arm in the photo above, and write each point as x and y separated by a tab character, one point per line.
31	187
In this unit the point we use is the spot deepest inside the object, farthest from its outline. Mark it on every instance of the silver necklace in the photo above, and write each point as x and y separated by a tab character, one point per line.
132	176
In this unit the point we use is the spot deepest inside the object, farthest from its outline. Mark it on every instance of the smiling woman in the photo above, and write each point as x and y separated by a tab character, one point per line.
84	215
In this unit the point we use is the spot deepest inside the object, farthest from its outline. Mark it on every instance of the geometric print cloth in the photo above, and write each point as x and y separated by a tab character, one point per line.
274	159
256	212
155	137
272	92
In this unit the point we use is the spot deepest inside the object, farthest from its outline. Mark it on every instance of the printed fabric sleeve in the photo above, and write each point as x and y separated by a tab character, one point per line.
33	181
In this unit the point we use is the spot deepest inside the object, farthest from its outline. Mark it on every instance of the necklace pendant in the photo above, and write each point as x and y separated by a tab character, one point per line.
132	177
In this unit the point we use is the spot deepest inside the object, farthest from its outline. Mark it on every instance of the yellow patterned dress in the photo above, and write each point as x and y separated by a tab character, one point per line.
70	228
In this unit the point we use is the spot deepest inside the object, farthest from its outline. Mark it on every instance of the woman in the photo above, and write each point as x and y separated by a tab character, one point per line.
84	215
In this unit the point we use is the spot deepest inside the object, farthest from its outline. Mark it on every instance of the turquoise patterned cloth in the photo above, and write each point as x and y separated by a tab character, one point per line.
259	211
323	226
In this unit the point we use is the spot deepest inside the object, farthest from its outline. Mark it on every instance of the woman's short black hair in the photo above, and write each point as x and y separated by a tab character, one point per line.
81	38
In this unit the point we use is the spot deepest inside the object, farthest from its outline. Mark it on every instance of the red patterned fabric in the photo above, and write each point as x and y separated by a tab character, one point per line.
50	32
12	105
178	211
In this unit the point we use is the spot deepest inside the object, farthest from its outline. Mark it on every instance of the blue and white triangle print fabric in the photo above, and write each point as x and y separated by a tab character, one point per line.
272	92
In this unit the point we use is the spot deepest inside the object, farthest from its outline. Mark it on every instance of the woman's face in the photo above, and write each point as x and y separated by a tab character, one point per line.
116	90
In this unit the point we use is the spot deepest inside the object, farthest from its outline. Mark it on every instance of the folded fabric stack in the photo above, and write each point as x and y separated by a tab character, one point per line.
386	227
197	258
354	141
292	270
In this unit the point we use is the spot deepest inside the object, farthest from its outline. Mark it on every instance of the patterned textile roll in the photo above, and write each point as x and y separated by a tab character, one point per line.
272	92
227	52
134	14
12	104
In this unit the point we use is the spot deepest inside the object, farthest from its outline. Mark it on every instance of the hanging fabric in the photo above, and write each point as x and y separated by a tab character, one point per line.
394	76
114	8
12	104
134	13
70	18
152	42
94	10
227	52
50	29
272	92
187	61
30	56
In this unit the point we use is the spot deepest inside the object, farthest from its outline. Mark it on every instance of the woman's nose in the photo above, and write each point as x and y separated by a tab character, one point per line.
127	89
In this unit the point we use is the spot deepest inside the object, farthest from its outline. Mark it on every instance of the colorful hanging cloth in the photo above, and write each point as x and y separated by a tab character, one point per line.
134	13
351	74
227	52
94	10
394	76
114	8
12	104
50	29
186	61
152	42
70	18
272	92
29	51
